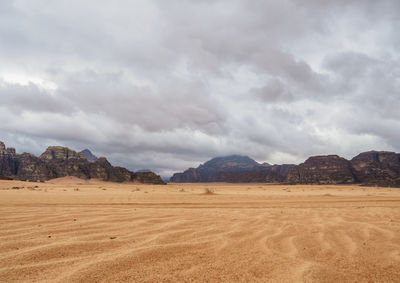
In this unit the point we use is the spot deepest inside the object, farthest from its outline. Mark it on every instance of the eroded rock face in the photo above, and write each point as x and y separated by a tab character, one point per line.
89	155
329	169
31	168
59	161
2	147
66	162
259	174
8	164
189	176
216	170
278	173
234	169
377	168
147	178
120	174
60	154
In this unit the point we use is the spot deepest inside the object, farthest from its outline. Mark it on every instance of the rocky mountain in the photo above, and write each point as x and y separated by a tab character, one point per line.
8	163
259	174
373	168
215	169
89	155
330	169
59	161
234	169
380	168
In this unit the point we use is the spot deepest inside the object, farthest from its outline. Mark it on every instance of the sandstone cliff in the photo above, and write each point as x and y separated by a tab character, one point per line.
374	168
8	164
380	168
330	169
59	161
233	169
89	155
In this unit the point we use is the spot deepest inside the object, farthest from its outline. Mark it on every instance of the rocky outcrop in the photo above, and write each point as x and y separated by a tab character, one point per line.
233	169
373	168
216	170
89	155
31	168
8	164
377	168
147	178
188	176
329	169
278	173
66	162
259	174
59	161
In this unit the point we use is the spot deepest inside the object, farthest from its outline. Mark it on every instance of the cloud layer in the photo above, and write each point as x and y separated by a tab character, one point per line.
166	85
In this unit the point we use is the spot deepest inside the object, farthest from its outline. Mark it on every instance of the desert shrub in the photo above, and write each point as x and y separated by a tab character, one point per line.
209	191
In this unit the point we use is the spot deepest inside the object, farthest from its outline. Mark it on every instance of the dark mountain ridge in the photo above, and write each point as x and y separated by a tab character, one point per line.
89	155
234	169
59	161
373	168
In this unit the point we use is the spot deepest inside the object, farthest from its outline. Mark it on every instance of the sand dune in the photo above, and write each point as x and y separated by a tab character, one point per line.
240	233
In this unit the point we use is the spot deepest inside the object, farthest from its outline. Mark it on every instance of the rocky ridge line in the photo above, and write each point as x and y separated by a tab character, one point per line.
59	161
373	168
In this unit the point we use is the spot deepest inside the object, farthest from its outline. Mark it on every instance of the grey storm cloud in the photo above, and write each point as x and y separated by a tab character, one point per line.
166	85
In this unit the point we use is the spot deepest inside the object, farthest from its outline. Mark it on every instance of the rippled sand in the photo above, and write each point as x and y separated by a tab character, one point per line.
176	233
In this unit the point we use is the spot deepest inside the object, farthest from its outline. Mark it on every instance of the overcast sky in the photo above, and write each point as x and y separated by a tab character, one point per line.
167	85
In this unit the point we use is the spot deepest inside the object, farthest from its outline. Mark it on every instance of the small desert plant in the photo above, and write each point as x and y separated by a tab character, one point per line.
209	191
76	189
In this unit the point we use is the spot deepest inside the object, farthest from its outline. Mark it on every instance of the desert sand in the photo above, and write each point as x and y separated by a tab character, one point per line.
105	232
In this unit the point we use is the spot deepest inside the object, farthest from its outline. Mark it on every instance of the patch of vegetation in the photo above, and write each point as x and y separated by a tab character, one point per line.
209	191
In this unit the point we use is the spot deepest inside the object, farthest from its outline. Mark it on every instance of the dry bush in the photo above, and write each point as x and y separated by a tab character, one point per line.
209	191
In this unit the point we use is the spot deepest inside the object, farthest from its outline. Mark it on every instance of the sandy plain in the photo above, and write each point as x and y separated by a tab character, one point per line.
105	232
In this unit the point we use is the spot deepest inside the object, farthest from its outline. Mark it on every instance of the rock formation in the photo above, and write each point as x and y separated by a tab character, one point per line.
377	168
215	169
89	155
374	168
8	164
329	169
59	161
146	178
32	168
233	169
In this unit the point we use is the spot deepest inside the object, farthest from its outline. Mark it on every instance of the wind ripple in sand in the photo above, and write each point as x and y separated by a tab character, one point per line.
117	243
